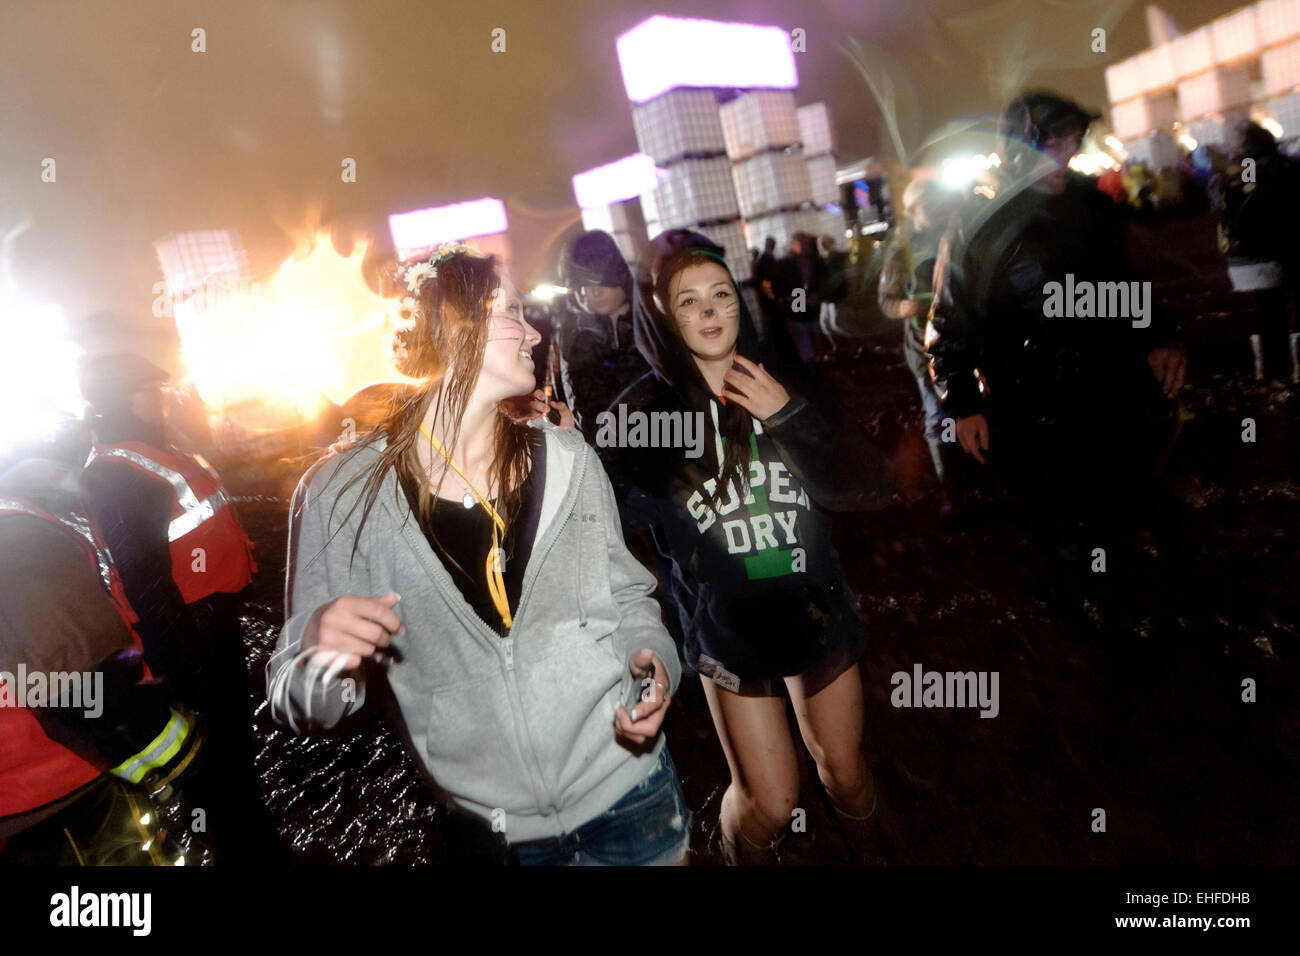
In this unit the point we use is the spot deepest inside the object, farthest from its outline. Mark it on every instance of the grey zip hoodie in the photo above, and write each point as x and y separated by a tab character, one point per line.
517	730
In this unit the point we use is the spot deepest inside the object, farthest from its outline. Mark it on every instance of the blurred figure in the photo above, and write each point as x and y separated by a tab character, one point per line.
1139	185
183	559
1111	183
773	281
906	291
1065	408
835	286
86	781
598	356
1255	201
802	276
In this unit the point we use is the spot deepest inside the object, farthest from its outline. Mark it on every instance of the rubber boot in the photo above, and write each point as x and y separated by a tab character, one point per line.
860	835
749	853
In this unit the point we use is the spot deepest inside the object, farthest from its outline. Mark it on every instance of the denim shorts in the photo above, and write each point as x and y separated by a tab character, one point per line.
650	825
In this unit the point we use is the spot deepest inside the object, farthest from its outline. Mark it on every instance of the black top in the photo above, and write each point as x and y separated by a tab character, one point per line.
462	538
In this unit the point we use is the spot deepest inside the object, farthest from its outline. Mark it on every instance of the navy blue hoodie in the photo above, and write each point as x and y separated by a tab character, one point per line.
759	586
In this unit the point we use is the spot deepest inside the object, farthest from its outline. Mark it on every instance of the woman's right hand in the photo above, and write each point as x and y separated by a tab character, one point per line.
354	627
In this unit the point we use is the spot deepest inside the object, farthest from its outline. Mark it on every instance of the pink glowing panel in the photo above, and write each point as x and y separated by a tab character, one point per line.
663	52
424	228
622	179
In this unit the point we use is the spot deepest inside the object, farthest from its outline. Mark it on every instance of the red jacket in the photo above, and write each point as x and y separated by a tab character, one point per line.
210	552
35	770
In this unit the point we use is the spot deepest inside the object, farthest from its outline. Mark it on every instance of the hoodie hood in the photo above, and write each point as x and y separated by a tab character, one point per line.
656	334
594	258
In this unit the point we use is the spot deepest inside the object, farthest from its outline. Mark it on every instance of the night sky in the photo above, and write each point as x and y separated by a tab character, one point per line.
151	138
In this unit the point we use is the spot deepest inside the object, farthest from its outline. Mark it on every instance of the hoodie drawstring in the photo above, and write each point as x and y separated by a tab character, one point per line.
582	608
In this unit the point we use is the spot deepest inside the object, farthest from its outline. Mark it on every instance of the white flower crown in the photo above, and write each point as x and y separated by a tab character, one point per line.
414	273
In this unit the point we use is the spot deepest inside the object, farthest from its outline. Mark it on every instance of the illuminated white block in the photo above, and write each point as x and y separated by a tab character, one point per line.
599	217
1286	110
1279	20
821	178
1122	80
1214	91
1155	150
695	191
731	236
663	53
771	181
195	261
1144	114
623	179
782	226
650	211
815	129
1155	69
1218	130
831	223
425	228
1193	52
678	123
760	120
1236	36
1281	68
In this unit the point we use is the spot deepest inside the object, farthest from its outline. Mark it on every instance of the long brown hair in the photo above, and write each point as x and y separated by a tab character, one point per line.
737	424
444	346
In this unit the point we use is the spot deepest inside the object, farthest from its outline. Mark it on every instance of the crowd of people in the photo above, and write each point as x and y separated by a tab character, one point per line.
523	597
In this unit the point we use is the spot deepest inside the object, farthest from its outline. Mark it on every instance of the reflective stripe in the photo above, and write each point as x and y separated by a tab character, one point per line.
14	504
79	524
196	512
160	750
203	510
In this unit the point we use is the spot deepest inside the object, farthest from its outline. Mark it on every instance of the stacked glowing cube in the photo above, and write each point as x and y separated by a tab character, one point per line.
480	223
741	171
608	196
1210	69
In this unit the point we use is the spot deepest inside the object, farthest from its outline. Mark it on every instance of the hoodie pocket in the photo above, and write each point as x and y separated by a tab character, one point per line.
473	749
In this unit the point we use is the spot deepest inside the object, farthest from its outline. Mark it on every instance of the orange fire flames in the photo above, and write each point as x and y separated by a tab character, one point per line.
314	332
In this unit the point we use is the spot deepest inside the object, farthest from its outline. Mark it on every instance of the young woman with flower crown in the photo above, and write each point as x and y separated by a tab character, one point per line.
523	625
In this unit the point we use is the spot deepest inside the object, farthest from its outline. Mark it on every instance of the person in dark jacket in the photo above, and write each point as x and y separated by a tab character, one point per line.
835	287
743	516
906	292
1035	294
151	501
598	356
1256	200
76	782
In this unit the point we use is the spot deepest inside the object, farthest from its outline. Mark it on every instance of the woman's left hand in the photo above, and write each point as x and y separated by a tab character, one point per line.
643	723
566	416
762	395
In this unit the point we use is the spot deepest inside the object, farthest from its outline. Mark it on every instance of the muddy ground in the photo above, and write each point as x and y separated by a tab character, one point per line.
1136	711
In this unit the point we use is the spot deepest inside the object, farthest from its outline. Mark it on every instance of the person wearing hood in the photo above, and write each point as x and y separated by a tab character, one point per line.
741	511
598	355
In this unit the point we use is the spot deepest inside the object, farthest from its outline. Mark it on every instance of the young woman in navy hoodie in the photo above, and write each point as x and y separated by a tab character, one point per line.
524	623
760	589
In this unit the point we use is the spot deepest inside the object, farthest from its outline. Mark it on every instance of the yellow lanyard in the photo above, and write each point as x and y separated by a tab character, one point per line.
495	579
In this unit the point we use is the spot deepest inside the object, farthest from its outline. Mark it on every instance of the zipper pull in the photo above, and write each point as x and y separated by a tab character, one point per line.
510	653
